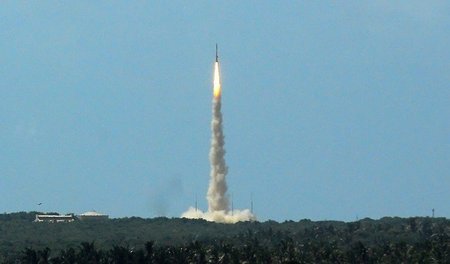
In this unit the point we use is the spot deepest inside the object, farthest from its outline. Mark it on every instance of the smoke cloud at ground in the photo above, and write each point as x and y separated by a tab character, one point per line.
229	217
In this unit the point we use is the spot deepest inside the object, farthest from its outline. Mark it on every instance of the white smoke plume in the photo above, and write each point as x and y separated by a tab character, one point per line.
218	202
217	198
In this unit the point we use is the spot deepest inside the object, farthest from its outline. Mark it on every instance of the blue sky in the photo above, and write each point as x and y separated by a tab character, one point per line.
331	110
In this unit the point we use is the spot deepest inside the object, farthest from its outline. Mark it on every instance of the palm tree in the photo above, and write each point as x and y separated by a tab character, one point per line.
119	255
29	256
88	253
66	256
43	256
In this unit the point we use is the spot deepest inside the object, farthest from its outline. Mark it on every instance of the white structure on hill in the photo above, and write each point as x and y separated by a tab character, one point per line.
92	215
55	218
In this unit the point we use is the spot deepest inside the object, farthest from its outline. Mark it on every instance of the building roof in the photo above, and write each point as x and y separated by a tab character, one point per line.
92	213
54	216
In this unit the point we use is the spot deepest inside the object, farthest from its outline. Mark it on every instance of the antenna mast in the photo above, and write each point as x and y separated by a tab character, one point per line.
251	203
232	204
196	206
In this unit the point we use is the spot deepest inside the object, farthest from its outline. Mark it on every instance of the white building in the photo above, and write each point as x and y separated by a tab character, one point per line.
54	218
92	215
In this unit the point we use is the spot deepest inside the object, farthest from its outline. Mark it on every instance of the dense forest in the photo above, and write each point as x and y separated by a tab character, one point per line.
164	240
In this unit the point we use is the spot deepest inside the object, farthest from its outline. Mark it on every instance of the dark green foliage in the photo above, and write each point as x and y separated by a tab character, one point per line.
388	240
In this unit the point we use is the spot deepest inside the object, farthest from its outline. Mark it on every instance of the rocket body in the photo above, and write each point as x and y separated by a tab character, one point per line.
217	53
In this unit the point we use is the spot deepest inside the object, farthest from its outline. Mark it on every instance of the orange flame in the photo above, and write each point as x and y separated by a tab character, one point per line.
217	88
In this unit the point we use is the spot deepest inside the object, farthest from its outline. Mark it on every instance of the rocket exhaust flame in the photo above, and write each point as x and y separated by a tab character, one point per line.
218	202
217	89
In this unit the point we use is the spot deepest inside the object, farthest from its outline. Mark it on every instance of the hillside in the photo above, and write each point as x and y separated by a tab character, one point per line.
412	239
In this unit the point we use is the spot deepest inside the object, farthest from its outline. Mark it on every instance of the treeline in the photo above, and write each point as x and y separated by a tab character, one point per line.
434	250
388	240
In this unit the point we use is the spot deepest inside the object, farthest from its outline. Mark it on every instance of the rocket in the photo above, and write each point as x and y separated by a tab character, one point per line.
216	75
217	54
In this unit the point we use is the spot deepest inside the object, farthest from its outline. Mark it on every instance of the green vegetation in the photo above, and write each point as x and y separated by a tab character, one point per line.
163	240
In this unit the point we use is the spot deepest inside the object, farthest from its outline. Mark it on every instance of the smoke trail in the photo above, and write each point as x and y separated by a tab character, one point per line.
217	198
218	202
